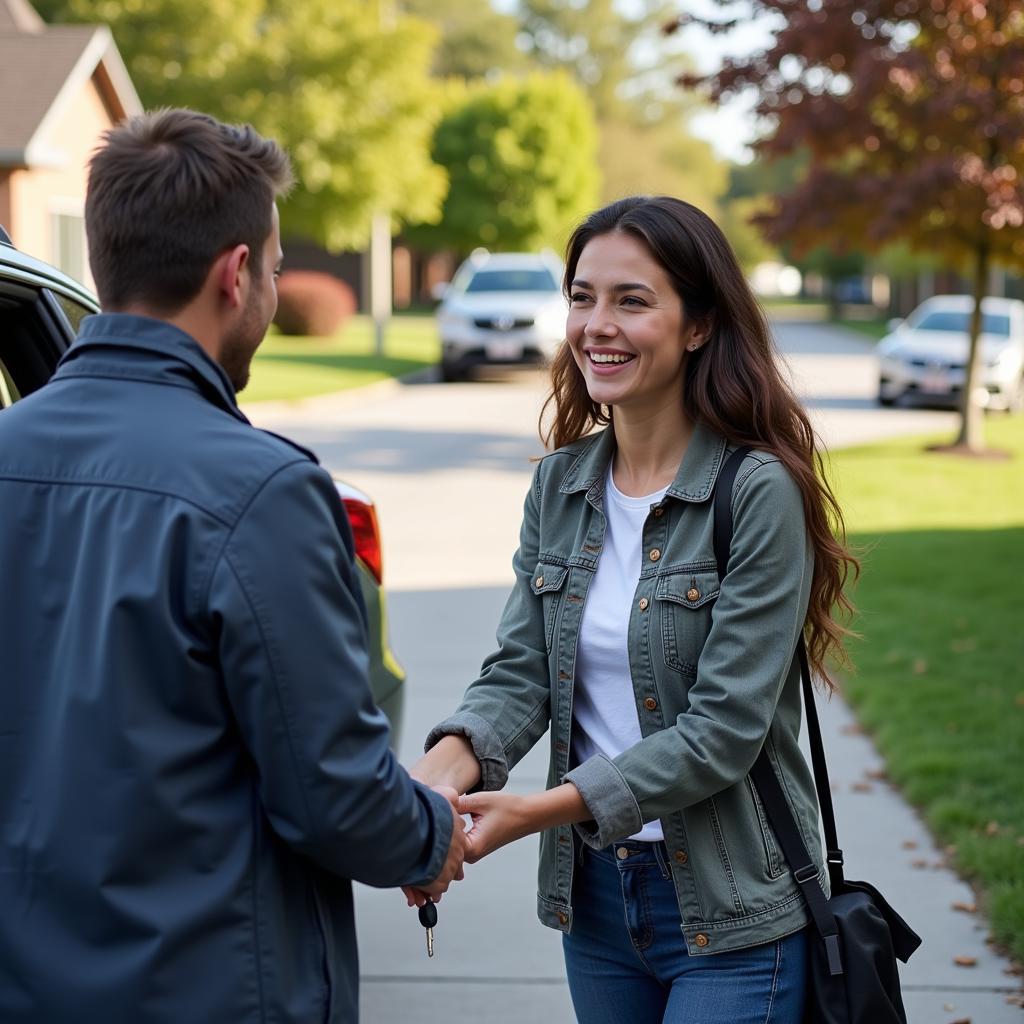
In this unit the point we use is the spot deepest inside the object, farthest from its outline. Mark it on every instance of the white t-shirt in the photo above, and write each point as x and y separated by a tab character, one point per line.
605	718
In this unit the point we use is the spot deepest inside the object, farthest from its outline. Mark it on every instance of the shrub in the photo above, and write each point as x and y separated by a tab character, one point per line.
311	302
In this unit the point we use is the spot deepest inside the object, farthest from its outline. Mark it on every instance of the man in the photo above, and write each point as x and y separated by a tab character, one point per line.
191	764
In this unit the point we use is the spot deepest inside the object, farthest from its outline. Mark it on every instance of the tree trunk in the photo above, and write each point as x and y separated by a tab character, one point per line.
972	427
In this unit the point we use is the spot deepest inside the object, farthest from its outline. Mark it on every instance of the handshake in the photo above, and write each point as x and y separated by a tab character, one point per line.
451	768
497	819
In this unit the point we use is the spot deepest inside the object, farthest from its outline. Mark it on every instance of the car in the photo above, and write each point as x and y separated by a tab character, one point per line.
500	309
924	358
40	310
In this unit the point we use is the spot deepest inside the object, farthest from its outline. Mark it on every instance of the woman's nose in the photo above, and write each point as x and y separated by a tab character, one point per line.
600	323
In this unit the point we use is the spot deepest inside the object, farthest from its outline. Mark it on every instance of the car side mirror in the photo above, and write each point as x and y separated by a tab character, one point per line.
438	290
896	321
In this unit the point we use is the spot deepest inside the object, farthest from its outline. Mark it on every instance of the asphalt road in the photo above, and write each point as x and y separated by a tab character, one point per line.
448	466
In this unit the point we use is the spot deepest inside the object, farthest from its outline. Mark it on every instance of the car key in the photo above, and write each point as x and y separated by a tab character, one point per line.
428	918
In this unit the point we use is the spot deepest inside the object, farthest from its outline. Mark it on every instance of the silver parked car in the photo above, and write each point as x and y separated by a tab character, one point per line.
501	308
924	359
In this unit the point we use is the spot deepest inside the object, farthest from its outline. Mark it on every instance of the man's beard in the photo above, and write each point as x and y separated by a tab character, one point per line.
238	347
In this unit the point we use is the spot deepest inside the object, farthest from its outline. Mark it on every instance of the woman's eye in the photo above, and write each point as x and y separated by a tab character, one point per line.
577	297
633	300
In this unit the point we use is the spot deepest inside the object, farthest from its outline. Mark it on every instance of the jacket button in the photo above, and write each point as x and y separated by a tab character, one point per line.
651	704
563	917
655	554
693	594
622	853
702	940
680	856
659	511
539	581
643	604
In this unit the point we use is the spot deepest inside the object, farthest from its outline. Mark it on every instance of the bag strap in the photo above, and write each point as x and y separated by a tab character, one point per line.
804	870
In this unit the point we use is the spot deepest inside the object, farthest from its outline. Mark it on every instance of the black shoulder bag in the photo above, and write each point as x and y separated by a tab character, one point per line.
857	936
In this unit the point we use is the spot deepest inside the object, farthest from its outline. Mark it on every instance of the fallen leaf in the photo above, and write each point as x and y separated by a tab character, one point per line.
963	645
919	667
1020	700
862	787
909	844
967	908
919	862
965	961
1014	971
992	828
878	774
961	1020
853	729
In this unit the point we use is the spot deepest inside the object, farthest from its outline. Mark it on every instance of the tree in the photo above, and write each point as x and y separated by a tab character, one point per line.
645	148
912	114
476	41
346	92
521	157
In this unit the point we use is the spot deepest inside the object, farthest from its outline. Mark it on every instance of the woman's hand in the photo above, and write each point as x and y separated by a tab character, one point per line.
498	819
502	818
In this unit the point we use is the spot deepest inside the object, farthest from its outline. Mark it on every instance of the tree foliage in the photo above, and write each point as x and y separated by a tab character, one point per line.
521	157
349	95
475	40
912	115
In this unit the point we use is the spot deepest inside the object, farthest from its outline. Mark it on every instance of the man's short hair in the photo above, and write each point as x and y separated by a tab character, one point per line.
169	191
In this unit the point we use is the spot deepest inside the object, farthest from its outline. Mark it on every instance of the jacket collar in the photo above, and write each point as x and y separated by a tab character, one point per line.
695	480
143	348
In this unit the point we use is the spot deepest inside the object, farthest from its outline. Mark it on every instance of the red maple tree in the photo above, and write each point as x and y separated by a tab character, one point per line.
912	113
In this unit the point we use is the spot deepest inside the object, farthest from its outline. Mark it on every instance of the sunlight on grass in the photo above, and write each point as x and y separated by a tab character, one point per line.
939	678
294	368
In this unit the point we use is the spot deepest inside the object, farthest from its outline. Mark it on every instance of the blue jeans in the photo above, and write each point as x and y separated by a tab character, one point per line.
627	961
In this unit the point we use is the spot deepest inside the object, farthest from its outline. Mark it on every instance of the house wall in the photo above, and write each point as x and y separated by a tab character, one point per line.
5	199
38	194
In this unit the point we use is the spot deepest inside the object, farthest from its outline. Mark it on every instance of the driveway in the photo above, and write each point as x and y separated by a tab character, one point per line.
448	466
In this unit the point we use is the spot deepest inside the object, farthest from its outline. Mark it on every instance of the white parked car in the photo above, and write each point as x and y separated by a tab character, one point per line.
501	308
924	359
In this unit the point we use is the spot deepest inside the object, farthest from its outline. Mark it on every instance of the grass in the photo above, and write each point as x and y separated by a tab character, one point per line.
874	329
292	368
940	668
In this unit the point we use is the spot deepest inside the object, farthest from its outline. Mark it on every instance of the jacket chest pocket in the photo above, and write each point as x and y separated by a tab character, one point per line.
685	599
548	585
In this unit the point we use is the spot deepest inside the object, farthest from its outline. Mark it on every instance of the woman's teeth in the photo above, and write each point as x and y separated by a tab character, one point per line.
600	358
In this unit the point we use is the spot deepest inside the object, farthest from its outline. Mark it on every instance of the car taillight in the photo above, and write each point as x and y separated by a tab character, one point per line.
366	535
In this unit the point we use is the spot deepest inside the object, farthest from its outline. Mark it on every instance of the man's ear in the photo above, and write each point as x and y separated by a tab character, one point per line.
232	274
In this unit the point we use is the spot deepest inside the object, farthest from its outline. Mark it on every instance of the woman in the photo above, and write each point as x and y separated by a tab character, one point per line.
660	681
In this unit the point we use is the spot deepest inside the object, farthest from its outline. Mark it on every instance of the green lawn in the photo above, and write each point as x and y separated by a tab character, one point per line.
292	368
940	668
874	329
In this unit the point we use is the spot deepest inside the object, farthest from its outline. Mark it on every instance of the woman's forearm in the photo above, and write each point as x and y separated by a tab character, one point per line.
450	762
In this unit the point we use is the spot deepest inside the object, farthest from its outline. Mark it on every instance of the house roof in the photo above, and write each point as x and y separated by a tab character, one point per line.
43	69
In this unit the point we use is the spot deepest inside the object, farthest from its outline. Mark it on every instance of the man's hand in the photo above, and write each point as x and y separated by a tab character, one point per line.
452	870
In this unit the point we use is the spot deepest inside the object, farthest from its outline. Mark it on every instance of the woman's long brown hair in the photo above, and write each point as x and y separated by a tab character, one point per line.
732	383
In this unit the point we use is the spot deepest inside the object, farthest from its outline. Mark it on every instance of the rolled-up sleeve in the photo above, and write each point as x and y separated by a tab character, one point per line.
744	664
292	644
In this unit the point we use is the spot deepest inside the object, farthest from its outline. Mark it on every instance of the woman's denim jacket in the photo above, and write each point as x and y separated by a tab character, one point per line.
713	673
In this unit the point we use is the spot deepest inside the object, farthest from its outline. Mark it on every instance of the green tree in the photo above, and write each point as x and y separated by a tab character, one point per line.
645	148
912	115
346	91
521	157
476	41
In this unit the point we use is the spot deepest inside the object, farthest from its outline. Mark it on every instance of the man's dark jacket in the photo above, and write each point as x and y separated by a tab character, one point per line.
191	763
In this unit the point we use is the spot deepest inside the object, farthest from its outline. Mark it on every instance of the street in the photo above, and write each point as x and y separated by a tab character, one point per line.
448	466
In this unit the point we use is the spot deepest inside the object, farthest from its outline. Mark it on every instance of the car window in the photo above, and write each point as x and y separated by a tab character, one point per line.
949	320
8	389
74	311
518	280
31	339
